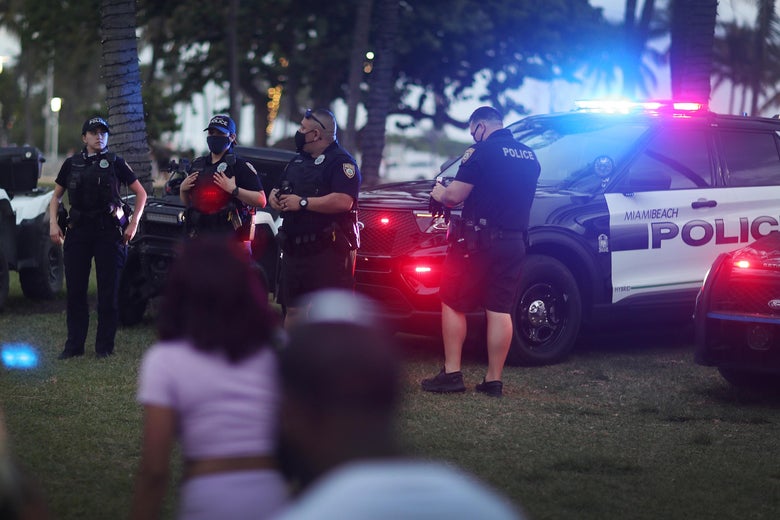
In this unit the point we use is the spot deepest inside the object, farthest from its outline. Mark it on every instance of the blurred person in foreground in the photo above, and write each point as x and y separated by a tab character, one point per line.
20	496
341	383
496	182
318	198
211	383
98	227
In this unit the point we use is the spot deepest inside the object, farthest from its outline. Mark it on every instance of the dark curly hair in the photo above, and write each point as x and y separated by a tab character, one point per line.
214	297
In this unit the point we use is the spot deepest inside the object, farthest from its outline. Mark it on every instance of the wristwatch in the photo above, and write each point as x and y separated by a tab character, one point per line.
234	193
304	202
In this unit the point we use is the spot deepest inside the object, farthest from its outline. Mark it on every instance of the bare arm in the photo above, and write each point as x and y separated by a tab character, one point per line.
152	478
453	194
56	234
140	203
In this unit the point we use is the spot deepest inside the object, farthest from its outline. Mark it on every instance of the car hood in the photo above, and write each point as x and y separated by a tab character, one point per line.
411	194
416	194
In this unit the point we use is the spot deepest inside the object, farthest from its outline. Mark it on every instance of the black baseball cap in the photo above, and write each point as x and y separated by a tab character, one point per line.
92	123
223	123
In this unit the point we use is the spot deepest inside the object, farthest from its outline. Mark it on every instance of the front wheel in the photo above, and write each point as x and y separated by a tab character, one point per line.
547	313
44	280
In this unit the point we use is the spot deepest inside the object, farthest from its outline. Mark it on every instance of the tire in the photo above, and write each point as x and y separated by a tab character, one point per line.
133	298
749	380
547	313
44	281
3	280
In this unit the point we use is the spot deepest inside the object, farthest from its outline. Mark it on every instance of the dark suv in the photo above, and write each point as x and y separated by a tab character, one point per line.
162	227
633	204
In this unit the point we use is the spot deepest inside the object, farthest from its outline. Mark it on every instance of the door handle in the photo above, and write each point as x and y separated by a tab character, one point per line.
703	203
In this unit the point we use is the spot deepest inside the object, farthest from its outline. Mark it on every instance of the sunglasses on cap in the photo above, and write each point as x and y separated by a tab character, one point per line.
310	115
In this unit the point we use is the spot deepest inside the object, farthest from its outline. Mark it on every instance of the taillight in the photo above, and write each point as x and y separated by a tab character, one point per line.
742	264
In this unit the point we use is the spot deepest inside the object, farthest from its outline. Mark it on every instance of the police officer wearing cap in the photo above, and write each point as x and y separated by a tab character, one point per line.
496	182
98	226
222	190
318	197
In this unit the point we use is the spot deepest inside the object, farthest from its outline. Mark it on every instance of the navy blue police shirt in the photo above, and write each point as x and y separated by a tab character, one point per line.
333	171
504	174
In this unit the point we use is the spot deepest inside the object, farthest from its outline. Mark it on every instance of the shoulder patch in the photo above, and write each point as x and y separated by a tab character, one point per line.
249	165
468	153
349	169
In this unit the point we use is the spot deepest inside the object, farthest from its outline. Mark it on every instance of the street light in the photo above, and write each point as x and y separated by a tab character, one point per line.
56	105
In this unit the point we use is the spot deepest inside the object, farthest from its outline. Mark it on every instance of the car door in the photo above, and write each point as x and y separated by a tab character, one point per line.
666	221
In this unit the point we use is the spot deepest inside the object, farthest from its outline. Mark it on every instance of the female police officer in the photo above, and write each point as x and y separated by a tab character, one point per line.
98	227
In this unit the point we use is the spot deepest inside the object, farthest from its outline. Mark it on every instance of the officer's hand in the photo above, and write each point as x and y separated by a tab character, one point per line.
438	191
274	200
290	202
188	182
130	231
55	234
223	181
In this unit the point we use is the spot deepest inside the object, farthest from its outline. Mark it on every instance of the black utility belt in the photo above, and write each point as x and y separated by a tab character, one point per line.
310	243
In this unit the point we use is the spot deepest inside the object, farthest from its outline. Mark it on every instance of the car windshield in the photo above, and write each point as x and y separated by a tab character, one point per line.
570	148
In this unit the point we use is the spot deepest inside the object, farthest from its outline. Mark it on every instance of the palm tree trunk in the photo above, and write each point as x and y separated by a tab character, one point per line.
380	91
693	33
123	87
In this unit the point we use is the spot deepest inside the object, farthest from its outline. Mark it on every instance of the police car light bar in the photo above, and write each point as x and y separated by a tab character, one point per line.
617	106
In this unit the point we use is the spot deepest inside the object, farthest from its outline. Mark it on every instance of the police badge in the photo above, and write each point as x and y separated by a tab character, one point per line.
221	167
349	169
103	163
320	158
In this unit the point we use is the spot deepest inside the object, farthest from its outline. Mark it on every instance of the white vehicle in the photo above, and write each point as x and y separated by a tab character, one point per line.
24	227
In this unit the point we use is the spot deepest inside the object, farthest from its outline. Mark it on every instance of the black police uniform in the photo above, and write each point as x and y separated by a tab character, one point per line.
483	263
318	249
94	230
212	209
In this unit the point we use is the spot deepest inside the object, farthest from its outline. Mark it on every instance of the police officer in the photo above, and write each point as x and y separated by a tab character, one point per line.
318	197
496	181
99	226
222	190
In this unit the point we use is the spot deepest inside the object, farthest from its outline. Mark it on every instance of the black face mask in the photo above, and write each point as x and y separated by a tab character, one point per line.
300	140
218	143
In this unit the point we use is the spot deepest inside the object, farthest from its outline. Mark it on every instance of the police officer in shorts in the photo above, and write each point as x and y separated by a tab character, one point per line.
496	182
98	226
318	197
221	190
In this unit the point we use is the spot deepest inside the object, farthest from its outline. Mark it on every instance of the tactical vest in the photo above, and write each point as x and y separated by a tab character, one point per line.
306	178
93	187
212	209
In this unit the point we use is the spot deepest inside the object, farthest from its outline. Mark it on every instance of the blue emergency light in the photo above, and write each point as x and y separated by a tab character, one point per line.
19	355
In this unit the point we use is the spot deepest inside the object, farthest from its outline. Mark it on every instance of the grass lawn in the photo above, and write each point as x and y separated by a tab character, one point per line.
628	427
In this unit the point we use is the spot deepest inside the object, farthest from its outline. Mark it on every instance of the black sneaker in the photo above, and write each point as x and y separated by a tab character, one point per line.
67	354
491	388
444	383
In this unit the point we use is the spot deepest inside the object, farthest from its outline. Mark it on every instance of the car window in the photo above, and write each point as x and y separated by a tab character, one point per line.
674	159
752	158
569	151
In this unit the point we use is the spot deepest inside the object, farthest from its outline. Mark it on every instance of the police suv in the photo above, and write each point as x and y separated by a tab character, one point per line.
633	204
